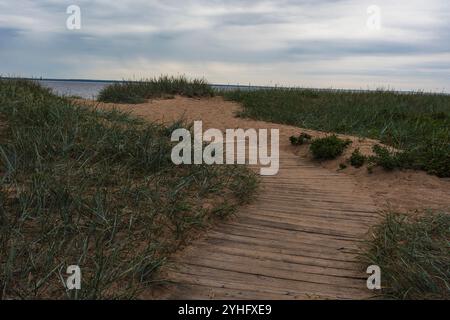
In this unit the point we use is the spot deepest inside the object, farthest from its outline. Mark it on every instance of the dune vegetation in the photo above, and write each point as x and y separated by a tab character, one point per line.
95	188
418	124
134	92
329	147
413	254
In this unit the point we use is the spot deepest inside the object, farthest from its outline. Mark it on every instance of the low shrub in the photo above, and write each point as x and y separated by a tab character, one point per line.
301	139
385	158
357	159
328	148
342	166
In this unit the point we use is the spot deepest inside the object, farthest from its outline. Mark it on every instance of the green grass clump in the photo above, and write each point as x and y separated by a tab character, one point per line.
98	189
301	139
387	159
435	159
328	148
417	123
342	166
413	253
134	92
357	159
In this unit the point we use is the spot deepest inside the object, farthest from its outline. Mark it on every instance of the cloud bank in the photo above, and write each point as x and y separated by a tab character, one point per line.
322	43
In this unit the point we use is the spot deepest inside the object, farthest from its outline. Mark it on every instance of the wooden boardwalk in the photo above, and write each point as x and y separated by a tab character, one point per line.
298	240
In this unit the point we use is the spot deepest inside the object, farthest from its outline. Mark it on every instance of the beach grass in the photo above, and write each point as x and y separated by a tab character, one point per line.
412	251
416	123
134	92
96	188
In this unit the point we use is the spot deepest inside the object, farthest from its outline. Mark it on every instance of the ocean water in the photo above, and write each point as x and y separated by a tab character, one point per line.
83	89
89	89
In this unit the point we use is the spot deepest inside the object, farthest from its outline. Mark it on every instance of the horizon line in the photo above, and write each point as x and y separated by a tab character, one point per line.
419	91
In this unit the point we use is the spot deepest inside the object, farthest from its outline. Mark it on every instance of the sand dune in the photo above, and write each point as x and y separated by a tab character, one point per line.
299	239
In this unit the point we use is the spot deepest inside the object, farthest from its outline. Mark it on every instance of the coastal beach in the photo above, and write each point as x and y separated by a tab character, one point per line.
224	159
306	229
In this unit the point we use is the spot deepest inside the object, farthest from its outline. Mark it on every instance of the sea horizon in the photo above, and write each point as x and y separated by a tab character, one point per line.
89	88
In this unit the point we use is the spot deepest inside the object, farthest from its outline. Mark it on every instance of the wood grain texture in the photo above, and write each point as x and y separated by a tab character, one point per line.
298	240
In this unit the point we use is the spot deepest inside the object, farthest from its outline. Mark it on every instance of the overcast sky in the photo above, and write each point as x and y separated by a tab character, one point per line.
309	43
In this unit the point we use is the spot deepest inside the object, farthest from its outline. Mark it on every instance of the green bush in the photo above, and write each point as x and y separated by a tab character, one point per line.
385	158
433	158
342	166
301	139
357	159
328	148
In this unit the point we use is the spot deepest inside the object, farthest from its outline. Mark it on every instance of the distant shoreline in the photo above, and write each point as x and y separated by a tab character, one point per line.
239	86
64	80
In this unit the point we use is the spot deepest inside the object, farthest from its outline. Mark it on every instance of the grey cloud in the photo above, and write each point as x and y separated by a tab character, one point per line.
34	41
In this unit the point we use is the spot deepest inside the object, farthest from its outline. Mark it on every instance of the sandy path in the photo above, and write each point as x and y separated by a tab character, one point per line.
300	238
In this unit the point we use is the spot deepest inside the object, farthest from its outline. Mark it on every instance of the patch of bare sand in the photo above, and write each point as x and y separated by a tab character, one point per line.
399	190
